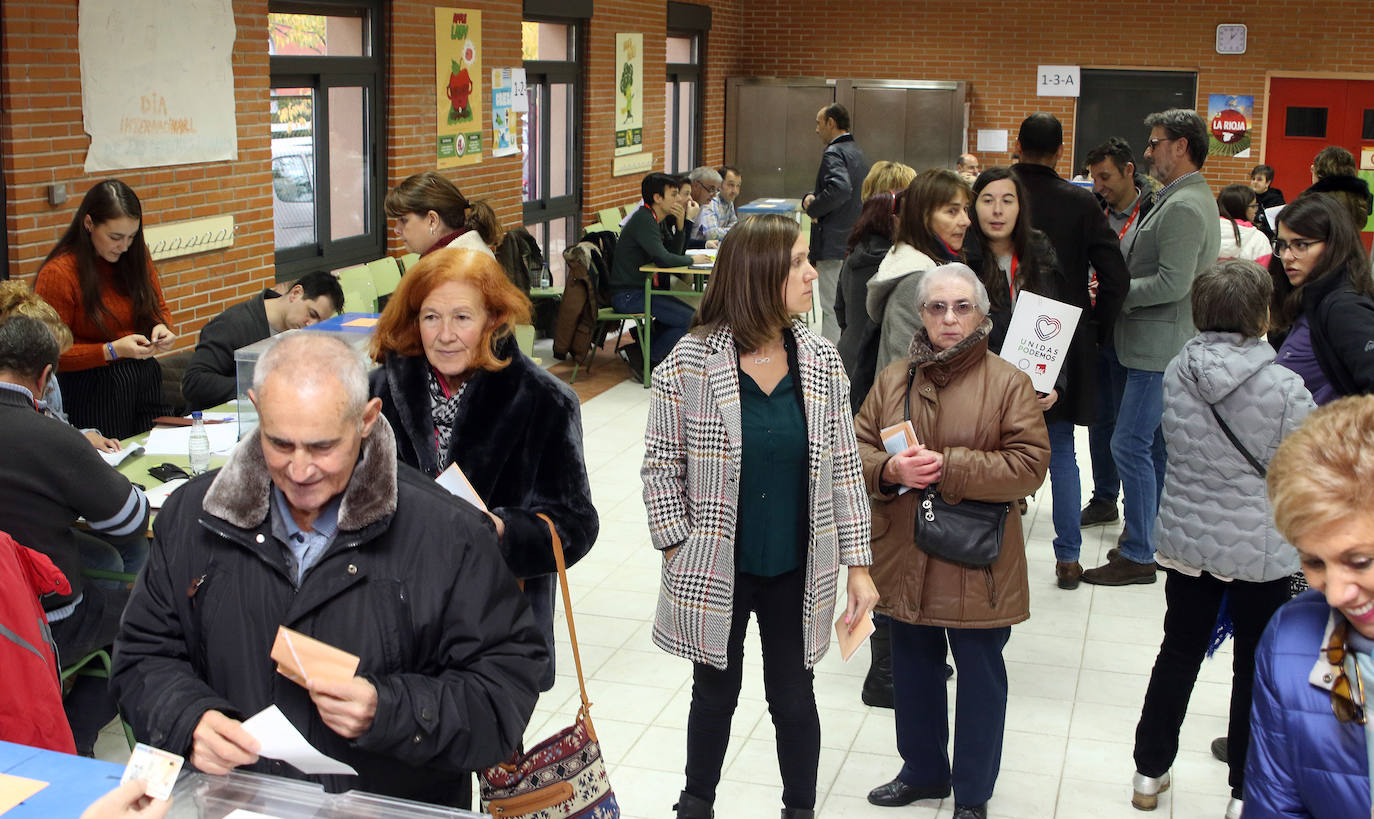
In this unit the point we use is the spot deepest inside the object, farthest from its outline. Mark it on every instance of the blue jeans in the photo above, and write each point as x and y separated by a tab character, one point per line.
1065	492
1111	380
1138	447
671	319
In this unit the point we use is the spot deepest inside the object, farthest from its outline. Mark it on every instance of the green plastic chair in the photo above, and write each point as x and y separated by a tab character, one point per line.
386	275
360	294
408	261
605	316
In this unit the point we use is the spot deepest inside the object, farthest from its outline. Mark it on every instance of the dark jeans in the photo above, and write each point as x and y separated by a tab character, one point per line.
980	710
125	554
787	684
1111	381
671	319
1189	621
92	626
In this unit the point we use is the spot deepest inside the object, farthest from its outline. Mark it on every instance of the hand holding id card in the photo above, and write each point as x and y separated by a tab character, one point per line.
156	767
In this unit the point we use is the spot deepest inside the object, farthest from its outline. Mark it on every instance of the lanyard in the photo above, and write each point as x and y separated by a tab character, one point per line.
1011	277
1135	211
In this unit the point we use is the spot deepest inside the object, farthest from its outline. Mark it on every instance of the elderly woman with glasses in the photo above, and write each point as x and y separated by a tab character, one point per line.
1310	729
1323	306
980	437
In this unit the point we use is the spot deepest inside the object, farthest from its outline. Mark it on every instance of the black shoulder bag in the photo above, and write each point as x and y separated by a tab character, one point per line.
1231	436
969	532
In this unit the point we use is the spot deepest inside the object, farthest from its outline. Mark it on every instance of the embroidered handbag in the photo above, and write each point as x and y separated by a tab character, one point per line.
968	532
563	777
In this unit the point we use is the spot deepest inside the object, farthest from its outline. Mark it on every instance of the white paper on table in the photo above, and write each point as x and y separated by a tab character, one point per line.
177	440
281	740
1038	337
117	458
897	438
158	495
457	483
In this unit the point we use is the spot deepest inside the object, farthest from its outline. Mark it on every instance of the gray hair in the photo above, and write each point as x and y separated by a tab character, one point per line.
311	359
705	175
27	345
955	270
1183	123
1232	296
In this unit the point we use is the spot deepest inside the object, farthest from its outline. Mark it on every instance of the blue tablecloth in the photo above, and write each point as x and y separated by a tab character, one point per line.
74	782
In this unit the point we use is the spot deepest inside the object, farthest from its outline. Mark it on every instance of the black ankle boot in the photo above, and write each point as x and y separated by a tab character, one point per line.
692	807
877	690
798	813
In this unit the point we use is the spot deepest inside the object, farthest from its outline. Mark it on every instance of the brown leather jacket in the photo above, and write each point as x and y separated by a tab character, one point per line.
981	413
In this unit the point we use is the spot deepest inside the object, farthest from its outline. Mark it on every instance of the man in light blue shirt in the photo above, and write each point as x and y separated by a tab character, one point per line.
718	215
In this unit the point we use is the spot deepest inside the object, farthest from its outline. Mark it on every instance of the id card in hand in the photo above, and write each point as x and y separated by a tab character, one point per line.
154	766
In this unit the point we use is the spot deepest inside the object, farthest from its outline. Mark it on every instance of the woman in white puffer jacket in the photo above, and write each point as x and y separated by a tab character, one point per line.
1240	239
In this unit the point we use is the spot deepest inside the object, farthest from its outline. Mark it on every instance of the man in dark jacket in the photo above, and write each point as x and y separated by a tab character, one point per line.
834	206
313	525
212	377
1078	230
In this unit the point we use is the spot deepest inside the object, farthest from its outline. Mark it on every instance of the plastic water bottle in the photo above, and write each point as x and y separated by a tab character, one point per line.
200	445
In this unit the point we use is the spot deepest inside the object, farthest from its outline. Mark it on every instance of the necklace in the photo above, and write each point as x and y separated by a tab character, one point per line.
762	359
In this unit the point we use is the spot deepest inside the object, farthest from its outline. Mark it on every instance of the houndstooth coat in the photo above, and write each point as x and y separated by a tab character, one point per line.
691	483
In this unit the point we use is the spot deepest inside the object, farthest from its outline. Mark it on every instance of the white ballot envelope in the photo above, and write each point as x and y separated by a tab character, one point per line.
280	740
1038	337
897	438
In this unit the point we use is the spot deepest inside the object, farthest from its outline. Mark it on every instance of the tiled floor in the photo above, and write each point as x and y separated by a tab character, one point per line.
1078	670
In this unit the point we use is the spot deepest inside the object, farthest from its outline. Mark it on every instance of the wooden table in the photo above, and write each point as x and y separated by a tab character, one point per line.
697	276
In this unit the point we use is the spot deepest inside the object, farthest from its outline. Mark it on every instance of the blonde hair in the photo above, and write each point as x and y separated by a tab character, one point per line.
1324	472
886	175
16	299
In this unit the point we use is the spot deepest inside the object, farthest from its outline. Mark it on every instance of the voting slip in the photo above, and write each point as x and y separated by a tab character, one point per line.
457	483
851	640
157	768
1038	337
301	659
897	438
280	740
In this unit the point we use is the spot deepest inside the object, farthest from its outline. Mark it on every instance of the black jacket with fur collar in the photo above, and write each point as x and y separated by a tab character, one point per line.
412	584
518	439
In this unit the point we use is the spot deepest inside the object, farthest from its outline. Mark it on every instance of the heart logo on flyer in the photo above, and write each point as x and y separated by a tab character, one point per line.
1047	327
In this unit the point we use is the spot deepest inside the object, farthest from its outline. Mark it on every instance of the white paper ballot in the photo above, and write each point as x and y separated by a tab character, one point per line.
897	438
158	495
177	440
117	458
1038	337
281	740
457	483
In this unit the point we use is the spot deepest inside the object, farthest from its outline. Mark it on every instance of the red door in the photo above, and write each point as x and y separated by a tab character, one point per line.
1305	115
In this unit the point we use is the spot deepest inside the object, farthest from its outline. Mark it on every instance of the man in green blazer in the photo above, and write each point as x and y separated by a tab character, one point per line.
1172	243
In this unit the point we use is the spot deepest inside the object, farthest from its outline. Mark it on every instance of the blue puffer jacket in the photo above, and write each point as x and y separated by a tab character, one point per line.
1302	761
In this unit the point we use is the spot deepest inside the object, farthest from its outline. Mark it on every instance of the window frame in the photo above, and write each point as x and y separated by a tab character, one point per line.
320	74
677	74
543	75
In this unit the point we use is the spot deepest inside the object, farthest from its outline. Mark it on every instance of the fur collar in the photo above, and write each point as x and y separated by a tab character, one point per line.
241	491
942	365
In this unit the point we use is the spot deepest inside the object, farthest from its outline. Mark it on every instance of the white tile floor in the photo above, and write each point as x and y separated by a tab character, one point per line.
1077	669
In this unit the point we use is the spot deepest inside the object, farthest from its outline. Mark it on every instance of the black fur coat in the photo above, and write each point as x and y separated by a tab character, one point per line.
518	439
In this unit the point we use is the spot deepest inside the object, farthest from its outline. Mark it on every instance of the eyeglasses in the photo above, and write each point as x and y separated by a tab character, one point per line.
711	189
1298	246
1154	143
938	309
1343	702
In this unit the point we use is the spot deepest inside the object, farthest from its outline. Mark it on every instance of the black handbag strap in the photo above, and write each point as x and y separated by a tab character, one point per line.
1231	436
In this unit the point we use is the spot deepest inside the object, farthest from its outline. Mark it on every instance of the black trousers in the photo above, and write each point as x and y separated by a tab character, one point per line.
787	685
91	627
1189	621
120	399
980	711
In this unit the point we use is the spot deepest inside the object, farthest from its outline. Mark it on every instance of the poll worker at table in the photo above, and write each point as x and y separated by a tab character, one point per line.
314	525
641	243
456	389
101	280
49	477
212	376
752	485
431	214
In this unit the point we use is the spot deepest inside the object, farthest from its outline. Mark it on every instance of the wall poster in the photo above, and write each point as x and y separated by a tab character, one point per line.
629	98
1228	118
458	78
157	82
502	113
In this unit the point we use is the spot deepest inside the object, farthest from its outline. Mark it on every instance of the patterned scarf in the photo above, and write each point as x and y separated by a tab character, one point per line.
443	407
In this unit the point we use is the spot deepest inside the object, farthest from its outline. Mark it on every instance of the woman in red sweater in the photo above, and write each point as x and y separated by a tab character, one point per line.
101	281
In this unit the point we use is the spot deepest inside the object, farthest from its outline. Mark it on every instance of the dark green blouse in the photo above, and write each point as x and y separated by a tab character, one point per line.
769	531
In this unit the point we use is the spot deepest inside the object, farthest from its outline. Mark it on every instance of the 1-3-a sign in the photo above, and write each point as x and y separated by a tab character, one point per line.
1056	81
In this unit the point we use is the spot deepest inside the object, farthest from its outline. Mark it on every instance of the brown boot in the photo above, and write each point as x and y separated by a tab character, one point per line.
1068	574
1118	571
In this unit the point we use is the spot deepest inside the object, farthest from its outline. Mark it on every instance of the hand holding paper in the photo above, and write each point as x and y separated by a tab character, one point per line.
221	744
346	706
279	739
851	639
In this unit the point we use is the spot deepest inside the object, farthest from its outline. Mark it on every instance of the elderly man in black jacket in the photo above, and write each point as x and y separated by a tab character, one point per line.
313	525
834	206
1078	229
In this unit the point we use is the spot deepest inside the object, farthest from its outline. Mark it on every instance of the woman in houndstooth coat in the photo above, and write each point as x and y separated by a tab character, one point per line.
755	496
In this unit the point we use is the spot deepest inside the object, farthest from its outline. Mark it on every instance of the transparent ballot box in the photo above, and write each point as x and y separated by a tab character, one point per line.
202	796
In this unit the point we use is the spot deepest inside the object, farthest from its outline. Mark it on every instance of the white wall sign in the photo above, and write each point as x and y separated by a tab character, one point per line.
1056	81
157	82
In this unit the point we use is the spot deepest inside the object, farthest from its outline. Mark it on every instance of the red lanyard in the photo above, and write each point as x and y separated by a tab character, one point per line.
1135	211
1011	277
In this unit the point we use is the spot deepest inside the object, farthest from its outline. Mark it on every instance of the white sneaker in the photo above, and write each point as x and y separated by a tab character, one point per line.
1146	790
1233	808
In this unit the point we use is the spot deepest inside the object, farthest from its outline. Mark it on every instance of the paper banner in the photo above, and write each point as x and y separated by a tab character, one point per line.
458	80
629	98
1229	118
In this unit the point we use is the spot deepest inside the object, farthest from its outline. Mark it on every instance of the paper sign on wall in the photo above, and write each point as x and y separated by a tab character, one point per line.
1038	337
1057	81
458	79
502	114
629	99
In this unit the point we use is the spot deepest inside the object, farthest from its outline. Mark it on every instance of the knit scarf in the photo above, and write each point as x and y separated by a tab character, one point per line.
443	407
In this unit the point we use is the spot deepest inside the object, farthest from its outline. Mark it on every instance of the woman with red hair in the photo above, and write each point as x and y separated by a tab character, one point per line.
457	390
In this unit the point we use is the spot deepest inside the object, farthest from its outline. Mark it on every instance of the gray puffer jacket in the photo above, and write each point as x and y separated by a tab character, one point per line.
1214	514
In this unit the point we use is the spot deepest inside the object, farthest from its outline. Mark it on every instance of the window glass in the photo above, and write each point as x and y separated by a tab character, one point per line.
560	111
293	167
545	41
682	50
1305	122
348	163
1367	132
316	35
